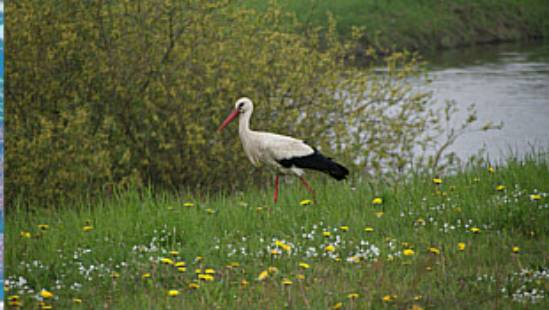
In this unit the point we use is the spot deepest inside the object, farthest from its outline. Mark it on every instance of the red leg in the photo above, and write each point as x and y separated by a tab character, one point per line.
308	187
276	190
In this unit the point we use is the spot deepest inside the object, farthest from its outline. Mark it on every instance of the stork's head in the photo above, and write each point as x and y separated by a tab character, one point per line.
241	107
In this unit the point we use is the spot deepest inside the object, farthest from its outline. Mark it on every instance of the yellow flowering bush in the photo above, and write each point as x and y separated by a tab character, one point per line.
130	93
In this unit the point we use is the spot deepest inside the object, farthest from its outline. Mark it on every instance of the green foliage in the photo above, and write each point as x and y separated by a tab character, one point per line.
132	231
427	24
106	94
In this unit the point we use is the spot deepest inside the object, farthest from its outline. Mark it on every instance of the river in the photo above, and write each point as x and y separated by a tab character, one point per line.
509	83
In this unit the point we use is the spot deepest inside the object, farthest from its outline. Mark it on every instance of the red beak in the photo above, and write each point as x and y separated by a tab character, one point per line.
229	119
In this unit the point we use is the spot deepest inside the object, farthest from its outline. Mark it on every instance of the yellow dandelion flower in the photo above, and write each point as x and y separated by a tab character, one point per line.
263	275
25	234
352	296
167	261
206	277
198	259
329	248
209	271
43	226
461	246
500	188
244	283
535	197
275	252
282	245
188	204
87	228
475	230
515	249
180	264
198	271
233	265
146	275
300	276
388	298
181	269
173	293
272	270
434	250
437	181
344	228
337	306
46	294
491	169
287	282
416	307
377	201
210	211
379	214
174	253
194	286
14	301
306	202
368	229
304	265
77	300
326	233
408	252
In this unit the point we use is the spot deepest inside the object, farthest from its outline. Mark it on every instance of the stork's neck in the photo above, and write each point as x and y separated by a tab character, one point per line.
244	124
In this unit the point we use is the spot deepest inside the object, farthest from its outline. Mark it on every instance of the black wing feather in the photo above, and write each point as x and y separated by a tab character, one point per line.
316	161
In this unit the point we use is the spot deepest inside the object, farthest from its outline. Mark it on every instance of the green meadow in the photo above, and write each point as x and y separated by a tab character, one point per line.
476	239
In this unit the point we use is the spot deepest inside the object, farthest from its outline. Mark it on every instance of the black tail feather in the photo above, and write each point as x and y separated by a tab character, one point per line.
317	161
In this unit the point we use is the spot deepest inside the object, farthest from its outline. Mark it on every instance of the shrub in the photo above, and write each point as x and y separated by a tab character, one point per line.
102	94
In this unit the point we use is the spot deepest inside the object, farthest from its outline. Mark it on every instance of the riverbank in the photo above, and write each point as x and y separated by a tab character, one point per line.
482	232
427	25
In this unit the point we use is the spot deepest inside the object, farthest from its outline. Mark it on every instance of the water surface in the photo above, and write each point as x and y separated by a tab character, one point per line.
509	83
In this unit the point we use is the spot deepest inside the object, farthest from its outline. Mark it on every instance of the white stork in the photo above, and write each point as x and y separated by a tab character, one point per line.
285	155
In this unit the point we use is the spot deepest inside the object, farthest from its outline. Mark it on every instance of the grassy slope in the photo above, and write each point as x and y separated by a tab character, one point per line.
429	24
131	233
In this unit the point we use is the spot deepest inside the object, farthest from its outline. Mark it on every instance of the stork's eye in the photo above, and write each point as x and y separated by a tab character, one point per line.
240	105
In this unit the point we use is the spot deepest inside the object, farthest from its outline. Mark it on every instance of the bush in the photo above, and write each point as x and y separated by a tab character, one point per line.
104	94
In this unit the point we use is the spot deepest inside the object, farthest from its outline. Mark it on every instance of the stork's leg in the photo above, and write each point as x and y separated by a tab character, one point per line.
308	187
276	189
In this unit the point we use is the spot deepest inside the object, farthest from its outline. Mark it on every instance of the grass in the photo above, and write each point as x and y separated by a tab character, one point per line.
116	262
427	25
